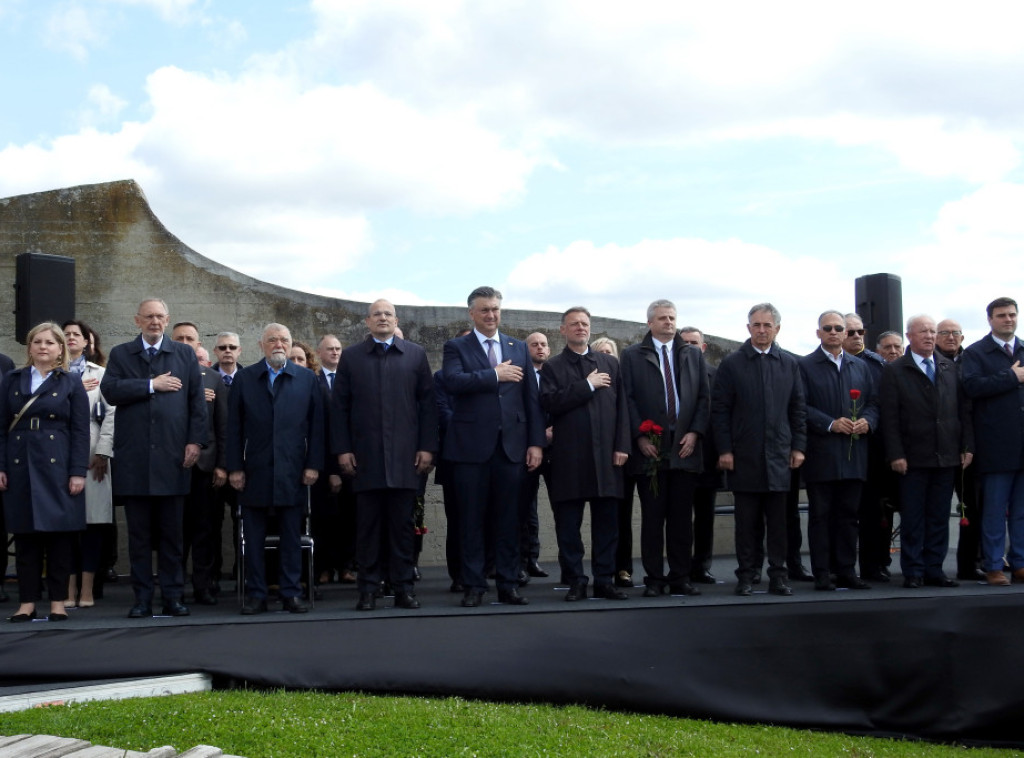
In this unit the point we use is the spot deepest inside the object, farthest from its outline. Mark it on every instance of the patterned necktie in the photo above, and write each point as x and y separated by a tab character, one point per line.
929	369
670	386
492	357
151	351
227	380
1008	349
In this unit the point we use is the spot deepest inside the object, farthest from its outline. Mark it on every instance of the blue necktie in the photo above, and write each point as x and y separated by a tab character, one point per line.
929	369
151	351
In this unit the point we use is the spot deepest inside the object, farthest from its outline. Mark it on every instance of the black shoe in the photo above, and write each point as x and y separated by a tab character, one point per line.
609	592
800	574
175	608
406	600
940	581
111	575
703	576
57	617
852	582
683	588
416	575
973	575
911	583
577	591
457	588
21	618
743	589
523	579
624	579
877	576
472	598
294	605
823	582
205	597
757	578
254	606
141	611
367	602
777	586
533	569
652	590
511	597
384	590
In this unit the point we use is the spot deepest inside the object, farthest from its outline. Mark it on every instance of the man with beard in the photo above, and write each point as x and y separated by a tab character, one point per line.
583	394
274	453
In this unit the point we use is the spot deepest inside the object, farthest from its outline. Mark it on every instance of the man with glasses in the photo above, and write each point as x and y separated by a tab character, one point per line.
227	351
160	428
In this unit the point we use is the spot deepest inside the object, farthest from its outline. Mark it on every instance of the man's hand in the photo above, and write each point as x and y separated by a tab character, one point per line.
211	395
76	484
309	476
191	455
98	466
90	383
347	462
599	379
965	459
687	444
842	426
335	482
169	383
424	461
899	465
647	447
508	373
861	426
1018	370
796	459
237	480
549	434
534	457
619	459
726	462
219	477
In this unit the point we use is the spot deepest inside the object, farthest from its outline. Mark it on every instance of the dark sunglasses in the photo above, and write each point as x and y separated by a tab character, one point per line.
859	332
226	347
831	328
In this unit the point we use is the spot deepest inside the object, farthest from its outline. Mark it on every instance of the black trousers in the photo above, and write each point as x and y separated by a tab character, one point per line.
31	550
624	546
703	528
760	514
666	526
968	548
155	523
385	538
257	523
603	537
832	526
204	513
529	522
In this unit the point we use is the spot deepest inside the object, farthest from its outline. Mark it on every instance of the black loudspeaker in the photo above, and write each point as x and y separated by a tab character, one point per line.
44	290
880	305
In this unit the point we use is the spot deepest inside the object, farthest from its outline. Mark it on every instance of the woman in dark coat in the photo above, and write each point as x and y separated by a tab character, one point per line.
44	457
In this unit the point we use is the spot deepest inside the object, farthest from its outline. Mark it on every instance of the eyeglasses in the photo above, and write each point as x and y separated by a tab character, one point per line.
226	347
948	333
857	332
833	328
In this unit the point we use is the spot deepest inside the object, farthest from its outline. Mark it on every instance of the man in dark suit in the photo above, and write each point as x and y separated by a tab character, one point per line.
384	432
203	507
759	419
842	408
529	522
496	427
6	364
994	380
583	394
666	382
274	453
160	428
928	438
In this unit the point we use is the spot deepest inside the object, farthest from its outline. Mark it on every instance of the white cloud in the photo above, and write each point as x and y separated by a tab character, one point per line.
103	107
173	11
75	29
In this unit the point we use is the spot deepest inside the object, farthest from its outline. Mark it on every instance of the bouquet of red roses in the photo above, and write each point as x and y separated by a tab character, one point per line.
854	397
653	432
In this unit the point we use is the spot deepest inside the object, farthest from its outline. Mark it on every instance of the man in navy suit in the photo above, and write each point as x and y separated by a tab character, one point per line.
993	378
275	450
159	430
495	435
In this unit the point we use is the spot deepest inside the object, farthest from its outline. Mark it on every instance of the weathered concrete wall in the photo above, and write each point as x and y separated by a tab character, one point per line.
123	253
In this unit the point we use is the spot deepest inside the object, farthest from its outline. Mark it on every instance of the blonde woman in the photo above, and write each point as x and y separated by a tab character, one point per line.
605	345
44	457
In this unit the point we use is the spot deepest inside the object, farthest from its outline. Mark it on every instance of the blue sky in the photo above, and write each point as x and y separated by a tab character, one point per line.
566	152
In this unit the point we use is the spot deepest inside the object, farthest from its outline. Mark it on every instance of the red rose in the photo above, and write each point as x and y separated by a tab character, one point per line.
964	522
646	427
656	429
855	394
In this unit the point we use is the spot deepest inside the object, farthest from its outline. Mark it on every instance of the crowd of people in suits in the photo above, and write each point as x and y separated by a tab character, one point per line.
346	438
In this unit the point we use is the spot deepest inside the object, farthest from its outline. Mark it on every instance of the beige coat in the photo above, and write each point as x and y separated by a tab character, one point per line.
98	508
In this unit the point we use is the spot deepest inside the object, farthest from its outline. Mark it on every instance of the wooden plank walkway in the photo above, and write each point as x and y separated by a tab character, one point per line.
45	746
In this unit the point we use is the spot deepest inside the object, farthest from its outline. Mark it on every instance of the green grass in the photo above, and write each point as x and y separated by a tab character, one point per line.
258	724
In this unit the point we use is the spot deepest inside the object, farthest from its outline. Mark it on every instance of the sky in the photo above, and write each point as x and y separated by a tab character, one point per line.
568	152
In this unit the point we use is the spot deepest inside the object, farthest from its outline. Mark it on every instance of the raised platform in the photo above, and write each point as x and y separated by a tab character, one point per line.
929	663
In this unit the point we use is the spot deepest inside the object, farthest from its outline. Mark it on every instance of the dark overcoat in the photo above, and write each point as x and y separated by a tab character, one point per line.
49	444
274	435
485	410
645	397
383	411
759	415
589	426
151	429
830	456
997	397
212	456
927	424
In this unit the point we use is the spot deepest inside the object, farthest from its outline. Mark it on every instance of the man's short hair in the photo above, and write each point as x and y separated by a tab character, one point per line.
230	335
776	316
487	293
273	326
164	304
1000	302
848	316
575	309
917	317
830	313
692	330
659	304
327	337
886	335
186	323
